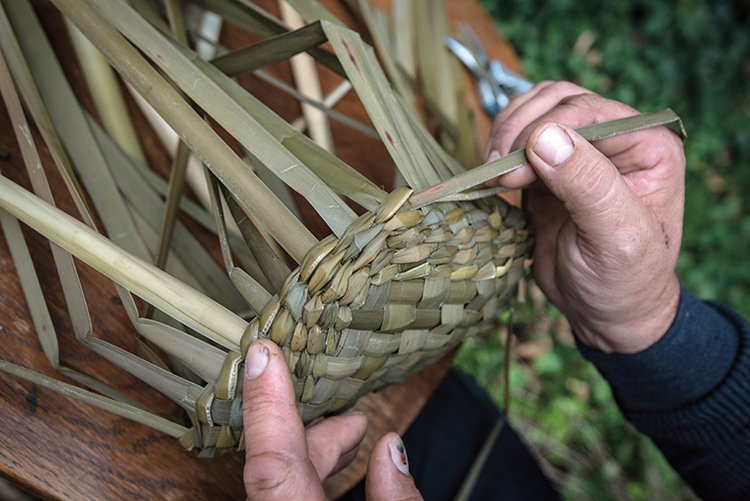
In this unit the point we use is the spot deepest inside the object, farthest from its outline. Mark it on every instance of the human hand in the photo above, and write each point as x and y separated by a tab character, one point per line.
607	217
285	461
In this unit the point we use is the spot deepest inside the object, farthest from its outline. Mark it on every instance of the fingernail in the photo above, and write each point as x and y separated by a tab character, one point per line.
553	145
398	455
494	155
256	360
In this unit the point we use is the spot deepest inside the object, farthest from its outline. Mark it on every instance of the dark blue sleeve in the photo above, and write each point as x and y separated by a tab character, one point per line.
690	393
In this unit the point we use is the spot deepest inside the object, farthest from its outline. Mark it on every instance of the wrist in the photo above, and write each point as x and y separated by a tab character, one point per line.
635	329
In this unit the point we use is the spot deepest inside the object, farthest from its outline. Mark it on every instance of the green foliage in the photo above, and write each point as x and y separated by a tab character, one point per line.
566	411
692	56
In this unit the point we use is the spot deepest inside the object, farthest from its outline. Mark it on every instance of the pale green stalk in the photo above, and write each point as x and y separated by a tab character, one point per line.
70	123
119	408
517	159
387	114
258	21
333	171
209	96
308	83
255	197
105	89
153	285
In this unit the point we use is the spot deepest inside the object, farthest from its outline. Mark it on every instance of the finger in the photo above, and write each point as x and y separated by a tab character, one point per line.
514	103
333	442
518	101
506	137
608	216
276	464
388	472
546	215
577	110
512	128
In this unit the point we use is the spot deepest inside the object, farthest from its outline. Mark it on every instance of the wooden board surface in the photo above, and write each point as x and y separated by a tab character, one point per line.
57	448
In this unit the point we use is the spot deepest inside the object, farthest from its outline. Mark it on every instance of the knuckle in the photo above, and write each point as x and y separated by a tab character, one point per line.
566	88
585	101
670	149
546	83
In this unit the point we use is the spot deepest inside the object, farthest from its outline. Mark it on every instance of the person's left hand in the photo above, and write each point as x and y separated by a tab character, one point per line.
285	461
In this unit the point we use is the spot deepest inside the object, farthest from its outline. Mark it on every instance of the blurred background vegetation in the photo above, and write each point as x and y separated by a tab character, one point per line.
692	56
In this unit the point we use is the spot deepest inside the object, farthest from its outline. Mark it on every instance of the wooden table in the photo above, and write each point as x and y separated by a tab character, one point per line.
57	448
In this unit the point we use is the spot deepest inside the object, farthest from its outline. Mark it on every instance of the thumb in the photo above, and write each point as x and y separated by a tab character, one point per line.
276	462
594	192
388	472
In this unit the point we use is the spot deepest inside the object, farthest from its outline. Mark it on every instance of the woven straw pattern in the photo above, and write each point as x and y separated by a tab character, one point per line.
396	292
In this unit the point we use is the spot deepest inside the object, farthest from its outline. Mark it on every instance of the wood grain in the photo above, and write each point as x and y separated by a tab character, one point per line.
57	448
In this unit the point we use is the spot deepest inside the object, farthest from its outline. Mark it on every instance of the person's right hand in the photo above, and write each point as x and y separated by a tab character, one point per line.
607	216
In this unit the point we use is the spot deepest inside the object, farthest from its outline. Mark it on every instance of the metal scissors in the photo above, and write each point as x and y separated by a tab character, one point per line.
495	83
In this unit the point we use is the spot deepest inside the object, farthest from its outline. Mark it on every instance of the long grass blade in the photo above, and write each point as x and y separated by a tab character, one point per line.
257	199
271	50
121	409
153	285
256	20
308	83
146	202
517	159
386	112
255	293
209	96
272	264
179	390
102	82
176	21
32	290
176	187
403	14
379	31
203	358
178	173
71	125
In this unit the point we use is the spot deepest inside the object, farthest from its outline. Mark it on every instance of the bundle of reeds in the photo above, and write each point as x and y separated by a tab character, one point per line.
394	287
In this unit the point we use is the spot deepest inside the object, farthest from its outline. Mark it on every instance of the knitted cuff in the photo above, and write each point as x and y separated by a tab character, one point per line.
688	362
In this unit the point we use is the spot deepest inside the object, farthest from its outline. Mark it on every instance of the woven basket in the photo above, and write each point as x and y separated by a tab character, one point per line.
395	293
